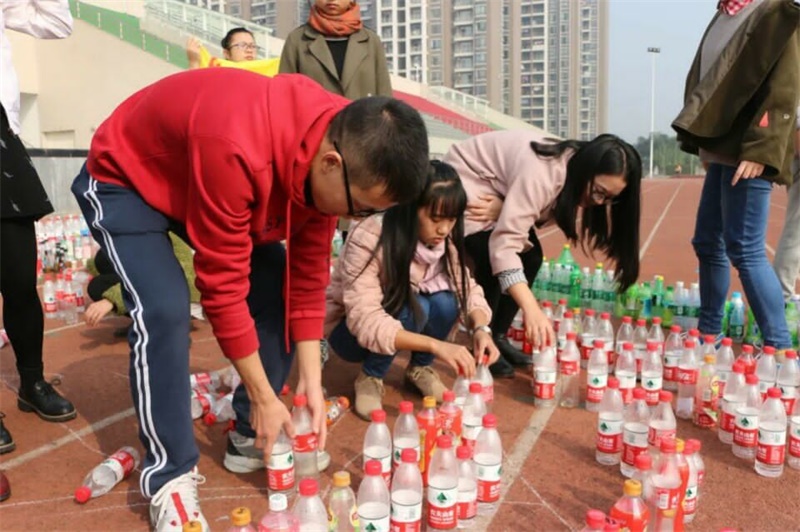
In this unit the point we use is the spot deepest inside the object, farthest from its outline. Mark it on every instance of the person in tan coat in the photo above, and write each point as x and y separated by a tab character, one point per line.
400	285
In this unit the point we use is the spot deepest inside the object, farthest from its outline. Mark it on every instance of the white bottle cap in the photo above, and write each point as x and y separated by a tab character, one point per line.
278	502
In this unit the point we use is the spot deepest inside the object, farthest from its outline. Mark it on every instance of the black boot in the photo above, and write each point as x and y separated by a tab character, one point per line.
502	369
6	441
513	356
45	401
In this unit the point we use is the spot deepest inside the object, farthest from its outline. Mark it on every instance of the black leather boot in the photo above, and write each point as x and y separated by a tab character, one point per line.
502	369
42	398
513	356
6	441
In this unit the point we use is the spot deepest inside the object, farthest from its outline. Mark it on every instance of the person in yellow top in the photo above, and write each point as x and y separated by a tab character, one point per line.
239	49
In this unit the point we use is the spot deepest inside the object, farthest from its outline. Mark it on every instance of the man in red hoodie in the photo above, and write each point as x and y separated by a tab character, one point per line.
235	162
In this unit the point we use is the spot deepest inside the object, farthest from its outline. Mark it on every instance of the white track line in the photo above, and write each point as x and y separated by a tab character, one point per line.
653	232
69	438
512	465
64	328
770	249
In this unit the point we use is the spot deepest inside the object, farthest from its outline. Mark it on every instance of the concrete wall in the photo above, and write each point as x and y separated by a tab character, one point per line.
57	174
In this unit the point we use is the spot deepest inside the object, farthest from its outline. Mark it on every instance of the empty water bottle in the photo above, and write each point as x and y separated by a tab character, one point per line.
108	474
278	519
407	494
241	520
309	509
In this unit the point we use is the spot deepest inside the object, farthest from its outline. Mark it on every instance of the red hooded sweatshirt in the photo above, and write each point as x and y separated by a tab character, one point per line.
227	153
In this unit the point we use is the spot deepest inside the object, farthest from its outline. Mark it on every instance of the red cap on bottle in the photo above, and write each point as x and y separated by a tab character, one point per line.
595	519
751	379
444	441
627	319
449	396
489	421
668	445
768	350
475	387
747	349
641	322
627	346
406	407
613	383
605	316
689	344
408	456
643	462
656	321
83	494
727	342
463	452
568	315
675	329
372	468
309	487
774	393
639	393
300	400
378	416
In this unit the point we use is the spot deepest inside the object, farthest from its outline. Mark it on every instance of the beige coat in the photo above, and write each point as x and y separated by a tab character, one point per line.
355	292
364	73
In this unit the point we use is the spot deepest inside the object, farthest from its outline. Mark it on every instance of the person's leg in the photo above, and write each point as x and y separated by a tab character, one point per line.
155	291
745	209
99	284
787	255
709	248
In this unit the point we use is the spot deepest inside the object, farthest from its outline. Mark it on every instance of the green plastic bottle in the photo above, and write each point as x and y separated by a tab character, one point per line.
645	302
575	287
668	307
658	297
566	258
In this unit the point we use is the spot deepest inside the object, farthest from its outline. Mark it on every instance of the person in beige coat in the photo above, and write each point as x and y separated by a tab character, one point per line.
400	285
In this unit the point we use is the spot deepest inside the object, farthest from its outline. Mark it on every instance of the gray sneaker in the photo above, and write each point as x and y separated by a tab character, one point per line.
242	455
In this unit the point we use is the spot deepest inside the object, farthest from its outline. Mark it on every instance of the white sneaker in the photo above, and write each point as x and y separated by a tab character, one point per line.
176	503
242	455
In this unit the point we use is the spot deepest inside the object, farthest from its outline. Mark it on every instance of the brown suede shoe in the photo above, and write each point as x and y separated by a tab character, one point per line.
426	380
369	395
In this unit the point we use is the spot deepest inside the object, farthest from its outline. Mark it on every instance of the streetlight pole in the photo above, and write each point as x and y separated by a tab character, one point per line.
653	52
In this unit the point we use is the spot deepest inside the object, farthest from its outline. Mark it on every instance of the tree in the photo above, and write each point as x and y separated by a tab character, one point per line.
666	156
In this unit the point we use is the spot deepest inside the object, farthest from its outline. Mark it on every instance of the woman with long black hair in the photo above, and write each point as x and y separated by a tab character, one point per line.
400	284
589	189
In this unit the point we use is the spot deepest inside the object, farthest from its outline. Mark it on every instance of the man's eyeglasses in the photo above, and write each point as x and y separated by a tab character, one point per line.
244	46
361	213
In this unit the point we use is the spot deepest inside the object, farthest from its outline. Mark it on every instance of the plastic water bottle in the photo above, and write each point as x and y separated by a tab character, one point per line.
789	381
588	335
450	417
49	298
488	458
644	474
706	399
406	495
656	334
278	519
565	327
690	498
652	374
625	372
747	359
608	443
666	484
634	432
794	437
442	495
639	342
731	401
484	376
766	370
693	306
745	431
771	450
662	424
736	320
673	351
467	507
725	360
405	434
241	520
688	371
596	377
472	419
108	474
280	466
342	510
605	332
221	411
586	287
624	334
305	440
200	402
378	445
309	509
461	388
545	371
569	368
373	499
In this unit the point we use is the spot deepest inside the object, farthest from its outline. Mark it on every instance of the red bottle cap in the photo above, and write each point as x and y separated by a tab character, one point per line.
309	487
489	421
449	396
727	342
83	494
613	383
378	416
475	387
675	329
372	468
444	441
406	407
605	316
626	319
774	393
627	346
463	453
639	393
641	322
408	456
595	519
300	400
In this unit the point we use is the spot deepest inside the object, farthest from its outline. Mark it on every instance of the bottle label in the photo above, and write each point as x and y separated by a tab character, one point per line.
488	393
586	346
333	519
794	437
489	482
728	423
687	375
654	436
280	471
406	517
690	500
745	431
652	385
671	362
763	386
203	401
771	446
441	507
634	443
788	397
374	525
544	385
569	367
467	507
121	463
705	414
666	498
305	443
595	386
609	436
398	454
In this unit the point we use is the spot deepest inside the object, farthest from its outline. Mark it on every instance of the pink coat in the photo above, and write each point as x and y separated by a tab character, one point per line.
502	163
358	297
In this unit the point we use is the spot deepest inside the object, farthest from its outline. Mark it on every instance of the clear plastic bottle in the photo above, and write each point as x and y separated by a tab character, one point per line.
688	371
644	474
200	402
691	497
461	388
697	446
789	381
342	509
706	397
484	377
49	298
673	351
450	417
406	495
560	314
639	342
405	434
108	474
605	332
747	359
736	319
656	333
625	372
624	334
595	521
305	440
373	499
221	411
745	431
634	432
278	519
241	520
280	467
467	507
588	335
662	424
610	419
488	458
545	372
731	401
631	511
442	495
596	376
771	450
767	370
652	374
565	327
378	445
309	509
472	419
793	460
569	370
725	360
666	483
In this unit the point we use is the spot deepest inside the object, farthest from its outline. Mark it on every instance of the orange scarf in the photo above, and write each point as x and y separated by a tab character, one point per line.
342	25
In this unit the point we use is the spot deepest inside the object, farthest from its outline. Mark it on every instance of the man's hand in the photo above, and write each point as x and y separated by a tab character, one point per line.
747	170
267	417
97	311
309	360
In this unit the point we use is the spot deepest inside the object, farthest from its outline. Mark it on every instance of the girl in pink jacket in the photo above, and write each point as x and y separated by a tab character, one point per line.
400	285
589	189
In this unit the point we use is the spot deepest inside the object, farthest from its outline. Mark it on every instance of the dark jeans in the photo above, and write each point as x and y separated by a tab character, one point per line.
439	314
732	225
503	306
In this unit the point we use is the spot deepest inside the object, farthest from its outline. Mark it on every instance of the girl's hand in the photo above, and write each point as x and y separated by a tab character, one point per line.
538	329
747	170
486	209
483	345
97	311
193	46
457	357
